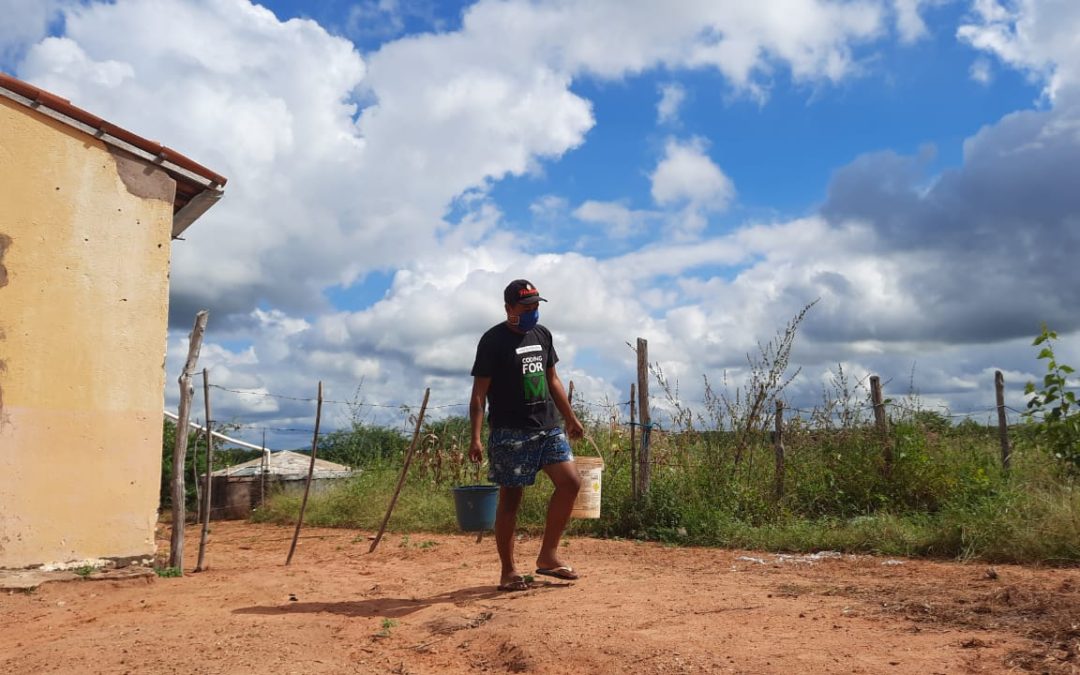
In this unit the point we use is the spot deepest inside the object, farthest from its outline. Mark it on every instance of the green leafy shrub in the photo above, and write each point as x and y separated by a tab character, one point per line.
361	445
1052	407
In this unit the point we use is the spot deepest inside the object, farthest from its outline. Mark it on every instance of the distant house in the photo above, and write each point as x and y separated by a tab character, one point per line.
88	212
238	489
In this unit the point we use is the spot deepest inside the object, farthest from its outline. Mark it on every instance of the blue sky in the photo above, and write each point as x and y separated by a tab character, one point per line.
693	174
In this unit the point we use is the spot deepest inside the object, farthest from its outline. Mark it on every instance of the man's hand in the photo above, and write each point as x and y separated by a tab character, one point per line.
476	417
574	429
476	451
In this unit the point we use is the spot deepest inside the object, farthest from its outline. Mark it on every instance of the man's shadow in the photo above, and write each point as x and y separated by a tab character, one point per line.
393	608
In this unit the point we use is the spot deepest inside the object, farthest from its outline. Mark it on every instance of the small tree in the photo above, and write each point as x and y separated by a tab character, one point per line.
768	377
743	415
1052	407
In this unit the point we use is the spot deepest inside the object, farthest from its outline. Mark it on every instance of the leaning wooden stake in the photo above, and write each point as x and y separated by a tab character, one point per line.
310	473
404	471
1003	422
778	448
570	393
263	465
480	534
209	468
179	513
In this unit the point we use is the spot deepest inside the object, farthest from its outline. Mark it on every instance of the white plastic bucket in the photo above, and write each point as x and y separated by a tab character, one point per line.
587	504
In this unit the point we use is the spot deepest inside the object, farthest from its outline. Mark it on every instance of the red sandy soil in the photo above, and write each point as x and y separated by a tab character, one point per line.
428	604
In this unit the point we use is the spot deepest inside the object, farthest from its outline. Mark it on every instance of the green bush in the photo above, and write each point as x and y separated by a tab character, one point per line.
1052	410
361	445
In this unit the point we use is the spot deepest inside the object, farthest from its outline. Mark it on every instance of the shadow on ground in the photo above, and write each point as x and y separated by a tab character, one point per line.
393	608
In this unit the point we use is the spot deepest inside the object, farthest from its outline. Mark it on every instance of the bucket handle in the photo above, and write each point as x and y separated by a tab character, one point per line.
595	447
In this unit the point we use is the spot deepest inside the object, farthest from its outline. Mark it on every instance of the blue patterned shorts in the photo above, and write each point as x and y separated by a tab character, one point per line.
515	455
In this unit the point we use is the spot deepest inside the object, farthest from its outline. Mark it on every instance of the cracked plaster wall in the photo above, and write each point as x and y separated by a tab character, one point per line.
84	255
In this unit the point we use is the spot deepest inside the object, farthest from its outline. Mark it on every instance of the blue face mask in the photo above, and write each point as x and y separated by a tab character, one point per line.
528	320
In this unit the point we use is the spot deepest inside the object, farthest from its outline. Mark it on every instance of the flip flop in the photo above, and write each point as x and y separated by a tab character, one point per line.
561	572
518	584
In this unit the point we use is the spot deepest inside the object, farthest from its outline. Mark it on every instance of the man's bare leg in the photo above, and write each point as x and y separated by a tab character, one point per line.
505	525
567	483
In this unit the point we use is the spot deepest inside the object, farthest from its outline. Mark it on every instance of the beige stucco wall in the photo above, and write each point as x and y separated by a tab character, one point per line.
84	247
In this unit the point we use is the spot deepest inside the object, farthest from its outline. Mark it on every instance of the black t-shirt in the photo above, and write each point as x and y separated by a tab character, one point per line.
517	364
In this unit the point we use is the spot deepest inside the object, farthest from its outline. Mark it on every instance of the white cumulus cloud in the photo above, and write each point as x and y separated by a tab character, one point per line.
687	175
344	165
1036	36
672	96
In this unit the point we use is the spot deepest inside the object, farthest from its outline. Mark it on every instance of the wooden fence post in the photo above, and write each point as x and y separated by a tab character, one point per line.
206	501
878	399
179	509
1003	422
195	476
778	448
263	466
404	471
633	445
644	459
311	471
570	393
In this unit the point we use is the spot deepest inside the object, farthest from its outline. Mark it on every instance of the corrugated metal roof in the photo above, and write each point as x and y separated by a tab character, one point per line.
286	465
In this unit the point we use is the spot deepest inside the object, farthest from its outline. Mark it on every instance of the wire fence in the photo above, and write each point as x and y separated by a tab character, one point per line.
615	413
718	433
941	410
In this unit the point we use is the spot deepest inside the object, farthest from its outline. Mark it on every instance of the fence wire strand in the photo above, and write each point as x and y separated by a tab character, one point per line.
613	409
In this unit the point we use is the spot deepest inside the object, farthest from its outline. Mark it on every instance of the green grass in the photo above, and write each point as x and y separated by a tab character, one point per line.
945	496
361	503
386	626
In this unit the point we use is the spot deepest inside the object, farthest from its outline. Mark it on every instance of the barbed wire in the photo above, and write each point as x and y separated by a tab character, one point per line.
943	410
597	404
390	406
361	404
802	413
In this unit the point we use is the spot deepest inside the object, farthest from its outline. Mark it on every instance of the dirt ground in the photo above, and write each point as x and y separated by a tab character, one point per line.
428	604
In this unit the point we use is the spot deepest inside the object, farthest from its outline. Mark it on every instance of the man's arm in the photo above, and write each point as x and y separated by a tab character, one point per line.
476	416
573	427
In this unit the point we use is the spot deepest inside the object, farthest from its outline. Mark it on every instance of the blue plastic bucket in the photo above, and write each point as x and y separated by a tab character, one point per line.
475	506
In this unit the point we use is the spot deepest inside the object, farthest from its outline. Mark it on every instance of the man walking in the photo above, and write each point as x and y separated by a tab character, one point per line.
514	374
